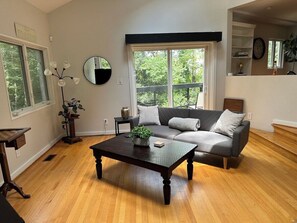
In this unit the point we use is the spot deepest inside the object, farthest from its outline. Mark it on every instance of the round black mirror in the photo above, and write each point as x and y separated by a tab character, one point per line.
97	70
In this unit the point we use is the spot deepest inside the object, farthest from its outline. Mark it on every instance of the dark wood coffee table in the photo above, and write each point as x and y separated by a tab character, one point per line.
163	160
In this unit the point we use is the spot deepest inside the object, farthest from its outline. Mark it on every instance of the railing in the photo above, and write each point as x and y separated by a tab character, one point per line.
163	88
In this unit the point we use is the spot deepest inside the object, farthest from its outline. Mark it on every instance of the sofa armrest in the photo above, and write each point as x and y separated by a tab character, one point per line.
240	138
134	122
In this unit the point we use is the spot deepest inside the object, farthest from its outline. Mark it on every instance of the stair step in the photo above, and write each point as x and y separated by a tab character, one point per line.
287	131
281	144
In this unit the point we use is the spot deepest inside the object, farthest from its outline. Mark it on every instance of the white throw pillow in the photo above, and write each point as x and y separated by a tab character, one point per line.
228	122
184	124
148	115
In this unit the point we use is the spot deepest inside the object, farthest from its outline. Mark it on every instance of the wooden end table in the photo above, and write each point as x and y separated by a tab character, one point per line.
12	138
164	160
120	120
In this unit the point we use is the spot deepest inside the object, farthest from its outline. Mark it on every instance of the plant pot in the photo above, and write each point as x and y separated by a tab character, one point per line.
141	142
291	73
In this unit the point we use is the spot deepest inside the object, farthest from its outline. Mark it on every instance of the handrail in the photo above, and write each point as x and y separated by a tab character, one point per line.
163	88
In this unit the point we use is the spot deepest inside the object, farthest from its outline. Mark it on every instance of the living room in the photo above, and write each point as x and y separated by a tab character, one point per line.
81	29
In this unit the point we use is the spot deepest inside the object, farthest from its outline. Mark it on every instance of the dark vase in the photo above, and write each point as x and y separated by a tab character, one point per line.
125	112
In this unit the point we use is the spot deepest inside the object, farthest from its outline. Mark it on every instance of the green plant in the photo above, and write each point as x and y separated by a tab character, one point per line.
290	47
140	132
71	107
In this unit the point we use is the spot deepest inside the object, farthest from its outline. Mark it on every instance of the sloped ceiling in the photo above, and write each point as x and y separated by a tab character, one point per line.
281	12
48	5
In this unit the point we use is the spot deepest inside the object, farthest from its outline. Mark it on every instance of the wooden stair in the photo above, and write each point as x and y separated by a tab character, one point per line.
283	140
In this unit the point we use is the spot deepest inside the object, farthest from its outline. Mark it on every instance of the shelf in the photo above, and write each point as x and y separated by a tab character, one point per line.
242	48
242	36
241	57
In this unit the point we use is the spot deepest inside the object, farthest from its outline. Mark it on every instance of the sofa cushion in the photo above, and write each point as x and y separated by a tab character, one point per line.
163	131
228	122
148	115
166	114
209	142
208	118
184	124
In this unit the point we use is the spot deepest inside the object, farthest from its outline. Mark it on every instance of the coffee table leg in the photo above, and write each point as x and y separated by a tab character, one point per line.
190	166
166	188
99	167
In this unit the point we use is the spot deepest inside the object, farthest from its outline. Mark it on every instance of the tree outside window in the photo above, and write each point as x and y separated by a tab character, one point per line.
22	82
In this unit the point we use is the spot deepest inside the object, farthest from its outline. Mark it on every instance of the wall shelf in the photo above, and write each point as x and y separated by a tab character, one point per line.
242	42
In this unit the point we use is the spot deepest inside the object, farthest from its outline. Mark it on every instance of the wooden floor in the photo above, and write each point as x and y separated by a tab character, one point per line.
260	186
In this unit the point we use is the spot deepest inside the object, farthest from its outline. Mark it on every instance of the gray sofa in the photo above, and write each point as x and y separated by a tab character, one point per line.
207	141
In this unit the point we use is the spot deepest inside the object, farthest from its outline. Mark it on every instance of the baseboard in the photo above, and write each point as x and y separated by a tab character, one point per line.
23	167
283	122
96	133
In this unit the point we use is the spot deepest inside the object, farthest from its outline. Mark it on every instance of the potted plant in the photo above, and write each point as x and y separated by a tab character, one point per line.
70	108
140	135
290	47
69	112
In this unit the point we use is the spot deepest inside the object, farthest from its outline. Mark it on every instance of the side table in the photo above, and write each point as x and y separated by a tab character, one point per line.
120	120
11	138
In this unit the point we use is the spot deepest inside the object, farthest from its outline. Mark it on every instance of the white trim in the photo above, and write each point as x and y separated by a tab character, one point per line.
209	72
283	122
132	81
33	106
23	167
98	133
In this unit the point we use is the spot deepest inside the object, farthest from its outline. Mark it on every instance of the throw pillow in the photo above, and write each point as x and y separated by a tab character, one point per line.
184	124
148	115
228	122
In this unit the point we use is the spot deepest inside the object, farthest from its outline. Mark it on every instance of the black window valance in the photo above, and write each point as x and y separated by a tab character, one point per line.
173	37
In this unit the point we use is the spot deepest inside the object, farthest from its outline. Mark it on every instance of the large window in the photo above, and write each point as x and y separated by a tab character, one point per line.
275	54
171	77
23	68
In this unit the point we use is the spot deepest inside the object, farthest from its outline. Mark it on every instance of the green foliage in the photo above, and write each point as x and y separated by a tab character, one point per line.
71	107
140	132
290	46
16	78
151	69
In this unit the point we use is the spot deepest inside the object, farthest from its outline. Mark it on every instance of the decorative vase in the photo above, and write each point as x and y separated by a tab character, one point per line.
125	112
141	142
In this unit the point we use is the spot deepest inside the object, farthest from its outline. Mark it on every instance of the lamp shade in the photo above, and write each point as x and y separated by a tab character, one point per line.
76	80
47	72
61	83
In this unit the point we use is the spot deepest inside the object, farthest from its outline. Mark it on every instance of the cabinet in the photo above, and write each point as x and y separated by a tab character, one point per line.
242	48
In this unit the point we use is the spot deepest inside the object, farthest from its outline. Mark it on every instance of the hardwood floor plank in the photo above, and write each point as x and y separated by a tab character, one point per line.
259	187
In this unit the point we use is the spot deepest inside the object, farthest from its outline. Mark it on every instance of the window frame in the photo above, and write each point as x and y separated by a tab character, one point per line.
280	65
209	88
34	106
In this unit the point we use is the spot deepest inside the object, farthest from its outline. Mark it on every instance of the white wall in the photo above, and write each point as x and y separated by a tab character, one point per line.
266	97
267	32
44	122
85	28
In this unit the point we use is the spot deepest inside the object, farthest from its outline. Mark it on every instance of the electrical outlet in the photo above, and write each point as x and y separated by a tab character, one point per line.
18	153
105	121
249	116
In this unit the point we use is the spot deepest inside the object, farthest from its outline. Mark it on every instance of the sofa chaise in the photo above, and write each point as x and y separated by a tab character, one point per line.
208	140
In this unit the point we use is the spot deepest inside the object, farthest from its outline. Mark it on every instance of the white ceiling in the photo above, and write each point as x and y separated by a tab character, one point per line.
48	5
281	12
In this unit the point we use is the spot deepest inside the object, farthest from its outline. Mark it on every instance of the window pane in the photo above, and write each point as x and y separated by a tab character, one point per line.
275	54
151	77
270	54
38	80
13	65
187	74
